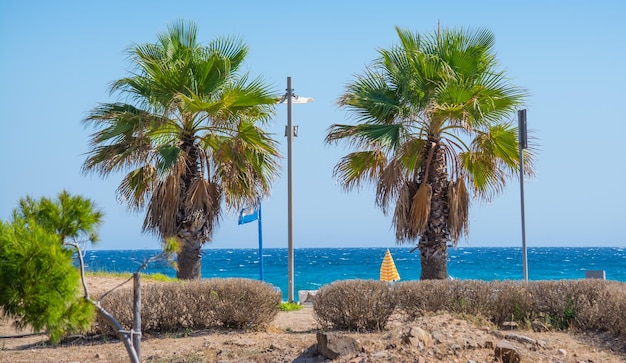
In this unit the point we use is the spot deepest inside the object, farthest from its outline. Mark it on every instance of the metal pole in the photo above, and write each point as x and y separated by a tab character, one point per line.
289	194
137	314
523	138
260	243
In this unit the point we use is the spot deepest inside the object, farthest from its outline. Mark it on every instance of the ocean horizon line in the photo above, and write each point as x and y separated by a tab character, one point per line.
95	248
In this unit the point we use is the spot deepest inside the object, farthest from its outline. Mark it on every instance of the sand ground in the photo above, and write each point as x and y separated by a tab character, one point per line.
292	338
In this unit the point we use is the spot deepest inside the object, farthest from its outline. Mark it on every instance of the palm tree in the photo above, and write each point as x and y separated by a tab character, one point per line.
189	138
432	126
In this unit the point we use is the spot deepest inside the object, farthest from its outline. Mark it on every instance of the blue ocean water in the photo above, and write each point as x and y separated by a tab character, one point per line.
315	267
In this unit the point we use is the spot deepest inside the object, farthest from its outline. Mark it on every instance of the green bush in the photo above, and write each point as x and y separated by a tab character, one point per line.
358	305
39	285
200	304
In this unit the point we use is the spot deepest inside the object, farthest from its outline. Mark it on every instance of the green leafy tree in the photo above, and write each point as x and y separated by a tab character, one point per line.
433	128
189	138
39	284
72	218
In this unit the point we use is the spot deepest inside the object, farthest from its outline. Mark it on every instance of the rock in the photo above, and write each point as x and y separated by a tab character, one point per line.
380	355
358	360
520	338
538	326
471	343
306	297
507	352
562	352
418	337
438	337
509	325
332	346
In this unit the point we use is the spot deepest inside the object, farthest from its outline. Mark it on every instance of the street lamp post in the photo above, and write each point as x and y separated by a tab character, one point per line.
523	144
290	99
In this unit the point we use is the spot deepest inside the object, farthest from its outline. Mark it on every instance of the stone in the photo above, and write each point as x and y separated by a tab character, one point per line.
438	337
562	352
333	346
507	352
538	326
471	343
510	325
418	337
520	338
306	297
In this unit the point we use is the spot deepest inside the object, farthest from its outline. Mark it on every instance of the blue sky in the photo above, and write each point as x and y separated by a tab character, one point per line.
59	58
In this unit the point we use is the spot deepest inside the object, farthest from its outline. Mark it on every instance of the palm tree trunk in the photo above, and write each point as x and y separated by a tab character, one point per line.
189	259
433	243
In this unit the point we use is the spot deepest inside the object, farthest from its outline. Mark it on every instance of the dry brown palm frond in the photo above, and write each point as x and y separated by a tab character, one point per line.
401	213
420	208
163	208
197	197
215	200
458	205
389	184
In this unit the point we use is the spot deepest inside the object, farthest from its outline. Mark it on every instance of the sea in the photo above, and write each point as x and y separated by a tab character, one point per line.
315	267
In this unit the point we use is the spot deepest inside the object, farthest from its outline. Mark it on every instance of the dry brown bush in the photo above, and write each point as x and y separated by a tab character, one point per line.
612	308
182	305
416	298
357	305
244	303
581	304
510	302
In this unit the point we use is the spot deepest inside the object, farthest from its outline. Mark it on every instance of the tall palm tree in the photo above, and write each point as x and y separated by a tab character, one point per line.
188	138
432	126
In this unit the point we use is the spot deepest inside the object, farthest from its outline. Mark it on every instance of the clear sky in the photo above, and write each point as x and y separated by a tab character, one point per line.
58	58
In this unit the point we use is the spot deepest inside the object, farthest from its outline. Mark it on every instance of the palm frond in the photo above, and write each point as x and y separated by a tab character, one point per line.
458	206
420	209
165	202
359	167
389	184
137	185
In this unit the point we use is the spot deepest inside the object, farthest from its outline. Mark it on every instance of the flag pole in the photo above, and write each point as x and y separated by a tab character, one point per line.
260	244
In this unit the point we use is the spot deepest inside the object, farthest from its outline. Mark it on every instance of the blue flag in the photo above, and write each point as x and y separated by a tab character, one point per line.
248	214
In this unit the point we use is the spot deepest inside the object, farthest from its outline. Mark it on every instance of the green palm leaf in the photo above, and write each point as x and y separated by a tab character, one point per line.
188	137
435	112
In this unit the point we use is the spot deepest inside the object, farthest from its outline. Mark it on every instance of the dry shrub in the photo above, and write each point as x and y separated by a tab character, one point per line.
416	298
553	301
244	303
582	304
357	305
510	302
200	304
469	297
611	312
497	301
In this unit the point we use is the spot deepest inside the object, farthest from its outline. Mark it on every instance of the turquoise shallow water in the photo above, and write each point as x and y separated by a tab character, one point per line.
315	267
